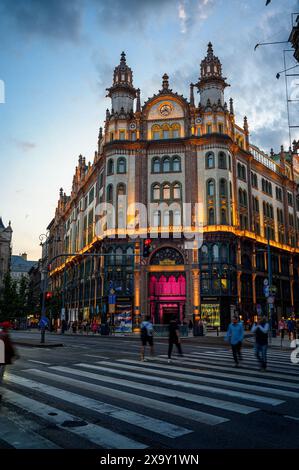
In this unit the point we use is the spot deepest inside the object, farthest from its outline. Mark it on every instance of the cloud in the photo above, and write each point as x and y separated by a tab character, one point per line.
24	145
191	12
52	18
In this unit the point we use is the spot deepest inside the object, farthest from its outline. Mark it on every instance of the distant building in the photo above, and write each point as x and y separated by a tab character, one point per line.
5	250
34	295
20	266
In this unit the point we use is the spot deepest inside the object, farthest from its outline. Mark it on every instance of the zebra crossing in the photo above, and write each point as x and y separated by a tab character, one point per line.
129	404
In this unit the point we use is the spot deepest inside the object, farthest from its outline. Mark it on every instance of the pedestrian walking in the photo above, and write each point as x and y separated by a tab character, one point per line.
9	350
146	336
291	328
174	337
190	326
235	335
281	327
261	330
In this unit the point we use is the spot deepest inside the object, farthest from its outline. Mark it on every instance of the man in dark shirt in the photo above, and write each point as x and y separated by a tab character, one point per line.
174	337
261	330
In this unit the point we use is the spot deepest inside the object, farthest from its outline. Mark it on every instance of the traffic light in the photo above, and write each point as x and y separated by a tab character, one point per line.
48	296
147	247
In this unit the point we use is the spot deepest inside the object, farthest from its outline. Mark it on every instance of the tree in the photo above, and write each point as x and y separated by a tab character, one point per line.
9	299
23	297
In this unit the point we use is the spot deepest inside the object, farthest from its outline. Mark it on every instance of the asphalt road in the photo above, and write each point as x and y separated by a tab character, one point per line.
95	393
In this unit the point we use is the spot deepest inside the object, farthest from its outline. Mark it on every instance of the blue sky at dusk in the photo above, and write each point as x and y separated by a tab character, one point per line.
57	57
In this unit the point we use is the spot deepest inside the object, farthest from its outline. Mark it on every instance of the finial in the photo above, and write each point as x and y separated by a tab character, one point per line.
107	114
192	94
231	106
210	50
100	133
165	82
138	105
245	126
122	58
61	192
272	152
281	148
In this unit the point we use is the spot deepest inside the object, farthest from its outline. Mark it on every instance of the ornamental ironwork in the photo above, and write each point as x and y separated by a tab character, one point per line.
167	256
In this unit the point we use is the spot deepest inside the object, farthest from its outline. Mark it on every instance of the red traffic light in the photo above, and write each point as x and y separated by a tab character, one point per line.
49	295
147	241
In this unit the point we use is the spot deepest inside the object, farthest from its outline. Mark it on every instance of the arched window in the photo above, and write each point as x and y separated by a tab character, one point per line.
211	188
223	253
166	164
229	162
223	217
222	160
165	131
176	128
111	256
166	218
177	191
210	160
204	253
215	252
118	257
166	191
177	219
156	132
245	198
156	192
211	217
223	187
240	196
176	163
156	165
121	165
110	193
239	167
110	167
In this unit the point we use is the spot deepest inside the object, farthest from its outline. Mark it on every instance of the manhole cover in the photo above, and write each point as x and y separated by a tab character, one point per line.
52	414
73	424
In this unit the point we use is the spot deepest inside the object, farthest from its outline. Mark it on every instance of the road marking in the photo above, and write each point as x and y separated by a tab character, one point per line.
94	433
40	362
21	432
248	358
174	393
292	417
94	355
186	413
137	419
201	372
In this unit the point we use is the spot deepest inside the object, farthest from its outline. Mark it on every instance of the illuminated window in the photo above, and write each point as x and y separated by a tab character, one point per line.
156	192
177	192
166	191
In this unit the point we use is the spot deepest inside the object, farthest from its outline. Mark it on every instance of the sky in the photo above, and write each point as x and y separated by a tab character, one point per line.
57	59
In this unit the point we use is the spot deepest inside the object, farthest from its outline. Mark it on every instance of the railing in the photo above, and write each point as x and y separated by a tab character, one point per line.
264	159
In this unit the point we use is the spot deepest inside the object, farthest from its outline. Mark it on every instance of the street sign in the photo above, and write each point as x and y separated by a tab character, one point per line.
266	282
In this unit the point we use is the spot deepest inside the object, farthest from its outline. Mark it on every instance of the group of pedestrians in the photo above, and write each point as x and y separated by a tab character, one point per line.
235	336
147	337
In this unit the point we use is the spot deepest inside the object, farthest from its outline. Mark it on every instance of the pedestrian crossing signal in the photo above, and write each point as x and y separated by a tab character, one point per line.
147	247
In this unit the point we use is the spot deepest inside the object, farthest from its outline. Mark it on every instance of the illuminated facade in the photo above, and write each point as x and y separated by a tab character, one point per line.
172	153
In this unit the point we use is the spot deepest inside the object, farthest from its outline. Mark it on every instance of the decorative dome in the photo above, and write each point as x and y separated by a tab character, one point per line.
210	66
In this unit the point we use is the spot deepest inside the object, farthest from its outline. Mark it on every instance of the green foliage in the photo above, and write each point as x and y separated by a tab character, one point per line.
13	298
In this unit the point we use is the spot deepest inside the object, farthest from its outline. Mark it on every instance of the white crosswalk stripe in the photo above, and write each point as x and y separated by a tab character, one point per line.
138	402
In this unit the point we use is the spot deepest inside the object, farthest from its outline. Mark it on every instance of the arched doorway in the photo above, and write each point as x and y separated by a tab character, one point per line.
167	286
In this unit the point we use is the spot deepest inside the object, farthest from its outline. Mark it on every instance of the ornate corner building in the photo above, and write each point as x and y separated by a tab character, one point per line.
217	203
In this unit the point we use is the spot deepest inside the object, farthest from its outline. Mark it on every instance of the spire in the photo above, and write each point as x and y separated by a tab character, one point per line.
122	59
61	193
122	91
191	94
210	53
138	105
1	224
245	126
165	82
100	134
231	106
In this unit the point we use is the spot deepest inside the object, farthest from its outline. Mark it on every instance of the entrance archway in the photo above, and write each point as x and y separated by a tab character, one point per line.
167	286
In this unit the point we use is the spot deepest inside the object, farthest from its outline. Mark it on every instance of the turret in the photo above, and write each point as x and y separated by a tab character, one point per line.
122	92
211	84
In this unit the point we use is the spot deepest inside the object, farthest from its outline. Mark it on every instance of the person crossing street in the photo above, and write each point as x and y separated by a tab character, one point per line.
235	335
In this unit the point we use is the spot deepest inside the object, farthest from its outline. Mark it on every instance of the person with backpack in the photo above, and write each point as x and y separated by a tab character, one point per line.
146	336
261	330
